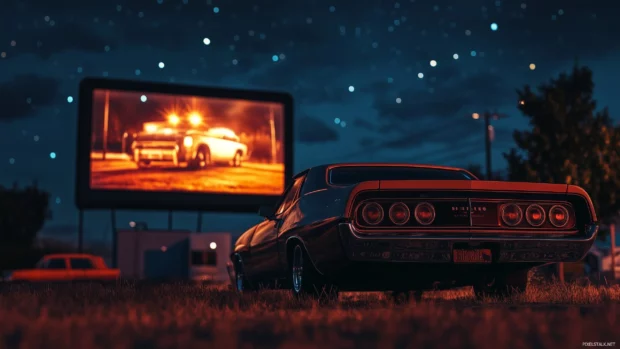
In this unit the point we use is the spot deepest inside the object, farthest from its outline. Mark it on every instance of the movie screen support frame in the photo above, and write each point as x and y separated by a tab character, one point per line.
88	198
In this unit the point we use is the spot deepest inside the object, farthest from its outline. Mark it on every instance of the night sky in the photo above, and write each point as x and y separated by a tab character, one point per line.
372	80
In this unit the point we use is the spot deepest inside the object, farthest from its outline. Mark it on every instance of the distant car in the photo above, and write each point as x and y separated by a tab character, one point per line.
402	228
66	267
195	149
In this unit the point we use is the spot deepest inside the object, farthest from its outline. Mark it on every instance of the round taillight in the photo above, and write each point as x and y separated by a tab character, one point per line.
535	215
372	213
424	213
399	213
512	214
558	216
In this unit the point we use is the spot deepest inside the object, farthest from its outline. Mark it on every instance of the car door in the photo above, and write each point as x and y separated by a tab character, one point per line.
82	269
264	258
55	270
217	145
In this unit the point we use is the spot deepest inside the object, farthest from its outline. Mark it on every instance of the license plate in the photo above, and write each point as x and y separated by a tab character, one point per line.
472	256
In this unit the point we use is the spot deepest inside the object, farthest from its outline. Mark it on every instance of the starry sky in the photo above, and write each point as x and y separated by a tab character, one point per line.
373	80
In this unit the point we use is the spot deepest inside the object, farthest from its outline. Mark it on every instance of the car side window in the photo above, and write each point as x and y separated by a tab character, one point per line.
56	263
81	263
290	195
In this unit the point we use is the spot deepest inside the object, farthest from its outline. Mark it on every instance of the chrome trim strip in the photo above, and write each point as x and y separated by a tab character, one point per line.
471	223
356	234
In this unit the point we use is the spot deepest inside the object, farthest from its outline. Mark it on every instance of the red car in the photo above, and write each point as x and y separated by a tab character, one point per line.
67	267
401	228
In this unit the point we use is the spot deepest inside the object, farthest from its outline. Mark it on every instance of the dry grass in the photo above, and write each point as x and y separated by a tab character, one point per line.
185	316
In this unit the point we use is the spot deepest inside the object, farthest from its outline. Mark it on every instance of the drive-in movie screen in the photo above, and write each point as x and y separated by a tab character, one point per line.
155	142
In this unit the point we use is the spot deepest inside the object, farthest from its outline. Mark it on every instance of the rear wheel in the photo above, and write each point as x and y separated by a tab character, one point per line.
590	265
236	161
202	160
241	283
502	284
306	281
143	164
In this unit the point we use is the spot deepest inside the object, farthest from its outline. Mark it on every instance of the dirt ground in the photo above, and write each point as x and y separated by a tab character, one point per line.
250	178
130	315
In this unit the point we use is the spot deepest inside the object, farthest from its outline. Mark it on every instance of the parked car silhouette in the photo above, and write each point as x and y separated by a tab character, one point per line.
404	227
66	267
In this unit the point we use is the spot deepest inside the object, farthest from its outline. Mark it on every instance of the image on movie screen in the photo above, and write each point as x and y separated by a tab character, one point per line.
172	143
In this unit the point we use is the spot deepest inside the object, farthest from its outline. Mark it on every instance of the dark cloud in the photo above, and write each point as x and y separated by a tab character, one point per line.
308	95
367	141
45	40
445	101
364	124
20	96
442	116
312	130
164	34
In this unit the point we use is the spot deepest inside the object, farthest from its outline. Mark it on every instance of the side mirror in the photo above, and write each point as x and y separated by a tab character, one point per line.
266	211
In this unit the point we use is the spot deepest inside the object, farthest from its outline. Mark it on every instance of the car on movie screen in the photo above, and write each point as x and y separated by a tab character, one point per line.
194	148
406	228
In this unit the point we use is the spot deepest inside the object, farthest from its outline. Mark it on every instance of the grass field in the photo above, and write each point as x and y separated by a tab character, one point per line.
133	315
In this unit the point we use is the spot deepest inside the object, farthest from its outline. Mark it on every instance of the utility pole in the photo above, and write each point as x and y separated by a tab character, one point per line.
488	129
273	136
81	231
106	117
487	143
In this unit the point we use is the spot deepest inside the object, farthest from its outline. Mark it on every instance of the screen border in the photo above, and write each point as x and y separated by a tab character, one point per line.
87	198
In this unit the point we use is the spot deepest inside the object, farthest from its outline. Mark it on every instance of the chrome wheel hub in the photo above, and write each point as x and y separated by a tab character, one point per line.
239	278
297	269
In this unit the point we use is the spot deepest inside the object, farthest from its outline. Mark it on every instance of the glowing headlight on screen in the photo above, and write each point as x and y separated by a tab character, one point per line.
195	119
150	128
188	141
173	119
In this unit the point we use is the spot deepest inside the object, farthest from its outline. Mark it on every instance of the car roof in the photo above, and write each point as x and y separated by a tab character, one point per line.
378	164
70	255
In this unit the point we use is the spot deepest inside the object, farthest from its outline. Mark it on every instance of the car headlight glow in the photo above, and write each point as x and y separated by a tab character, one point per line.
188	141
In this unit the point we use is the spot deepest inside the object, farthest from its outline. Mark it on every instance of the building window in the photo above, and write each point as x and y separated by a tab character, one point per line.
201	257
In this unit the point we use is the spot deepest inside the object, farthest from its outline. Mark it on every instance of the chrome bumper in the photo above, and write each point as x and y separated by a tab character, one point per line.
430	248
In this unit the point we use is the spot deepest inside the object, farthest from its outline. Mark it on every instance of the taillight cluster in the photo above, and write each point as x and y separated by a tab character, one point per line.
372	213
398	213
535	215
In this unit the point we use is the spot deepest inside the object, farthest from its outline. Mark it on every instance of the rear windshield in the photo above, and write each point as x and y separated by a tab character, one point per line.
352	175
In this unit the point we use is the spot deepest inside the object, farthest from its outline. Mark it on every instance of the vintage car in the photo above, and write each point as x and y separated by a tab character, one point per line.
408	228
66	267
193	148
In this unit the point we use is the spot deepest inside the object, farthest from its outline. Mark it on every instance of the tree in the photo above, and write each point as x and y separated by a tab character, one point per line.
22	214
570	140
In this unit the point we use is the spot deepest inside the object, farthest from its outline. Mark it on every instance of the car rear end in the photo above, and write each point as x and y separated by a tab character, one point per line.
454	230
